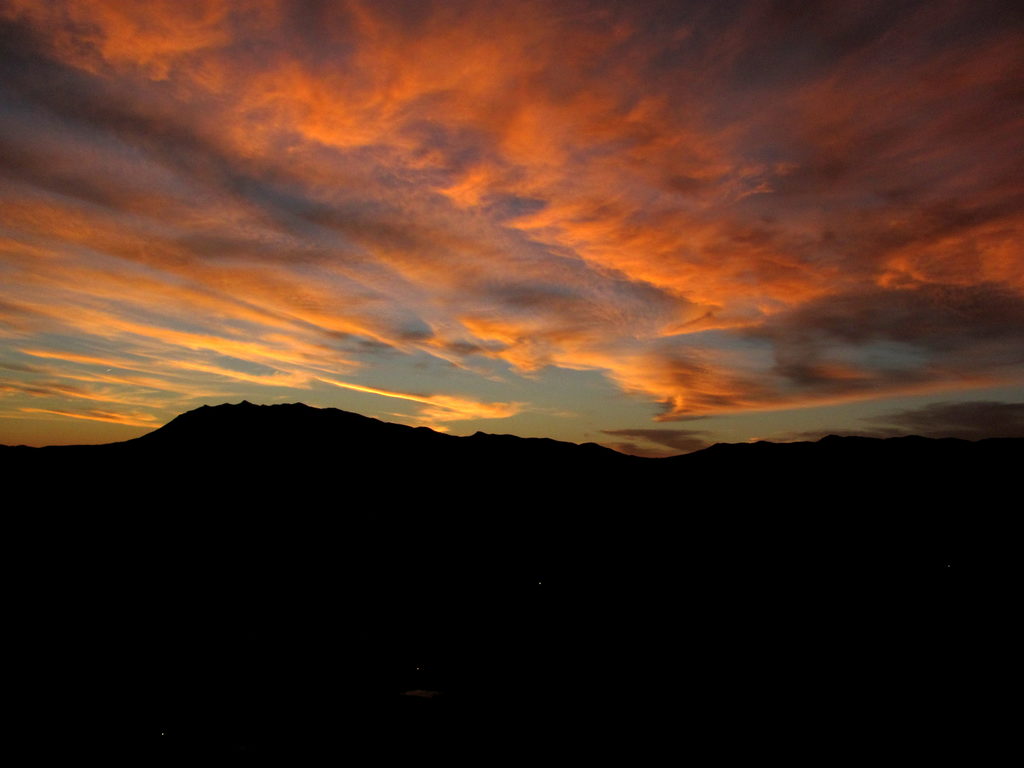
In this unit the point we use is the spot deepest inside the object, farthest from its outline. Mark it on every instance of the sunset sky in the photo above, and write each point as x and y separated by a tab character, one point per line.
653	225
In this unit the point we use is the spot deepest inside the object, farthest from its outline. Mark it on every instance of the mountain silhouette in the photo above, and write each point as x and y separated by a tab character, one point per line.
269	580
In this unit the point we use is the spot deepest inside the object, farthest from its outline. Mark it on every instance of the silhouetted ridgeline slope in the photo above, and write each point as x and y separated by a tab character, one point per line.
271	577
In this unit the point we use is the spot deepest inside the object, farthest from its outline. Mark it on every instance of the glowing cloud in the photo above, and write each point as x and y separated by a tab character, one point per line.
134	419
440	407
719	208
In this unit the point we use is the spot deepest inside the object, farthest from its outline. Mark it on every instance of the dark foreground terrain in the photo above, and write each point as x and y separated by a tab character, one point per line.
284	585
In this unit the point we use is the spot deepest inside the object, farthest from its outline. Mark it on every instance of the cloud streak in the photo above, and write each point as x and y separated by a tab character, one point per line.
132	419
440	408
972	420
658	442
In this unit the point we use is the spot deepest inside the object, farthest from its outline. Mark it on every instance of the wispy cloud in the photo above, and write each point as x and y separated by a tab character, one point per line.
719	207
134	418
971	420
440	408
658	442
965	420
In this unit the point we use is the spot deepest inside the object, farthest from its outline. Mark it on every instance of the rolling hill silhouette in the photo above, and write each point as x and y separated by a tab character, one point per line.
268	580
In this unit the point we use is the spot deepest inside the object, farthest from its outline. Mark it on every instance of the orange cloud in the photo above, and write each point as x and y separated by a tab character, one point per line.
440	407
711	208
133	419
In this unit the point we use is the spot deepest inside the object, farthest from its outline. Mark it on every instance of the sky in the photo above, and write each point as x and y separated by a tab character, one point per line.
652	225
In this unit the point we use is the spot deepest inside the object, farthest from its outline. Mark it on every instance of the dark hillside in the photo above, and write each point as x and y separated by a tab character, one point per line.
269	580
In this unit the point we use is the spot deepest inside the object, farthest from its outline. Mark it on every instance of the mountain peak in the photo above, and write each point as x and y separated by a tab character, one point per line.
318	434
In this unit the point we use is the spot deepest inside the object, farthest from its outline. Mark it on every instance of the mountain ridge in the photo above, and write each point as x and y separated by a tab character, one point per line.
237	414
266	581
